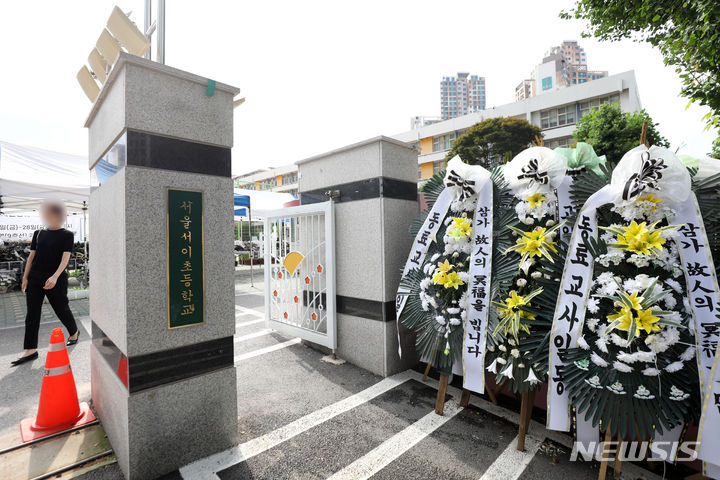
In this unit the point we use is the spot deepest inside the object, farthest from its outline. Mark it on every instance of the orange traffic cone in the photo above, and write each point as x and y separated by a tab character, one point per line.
58	409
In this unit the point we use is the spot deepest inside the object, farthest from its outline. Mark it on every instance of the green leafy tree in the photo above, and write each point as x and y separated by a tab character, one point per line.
490	142
612	132
686	32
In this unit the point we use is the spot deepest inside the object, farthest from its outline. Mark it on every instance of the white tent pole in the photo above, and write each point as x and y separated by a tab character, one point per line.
252	284
85	257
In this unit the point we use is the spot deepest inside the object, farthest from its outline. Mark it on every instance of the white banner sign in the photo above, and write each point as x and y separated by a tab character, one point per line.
570	308
21	229
419	249
478	291
704	297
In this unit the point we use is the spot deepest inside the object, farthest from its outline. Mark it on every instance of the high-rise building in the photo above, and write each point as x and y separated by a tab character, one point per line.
562	66
524	90
461	95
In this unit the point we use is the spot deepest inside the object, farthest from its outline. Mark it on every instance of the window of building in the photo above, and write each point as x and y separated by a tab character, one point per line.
547	83
443	142
438	166
289	178
587	107
557	117
566	115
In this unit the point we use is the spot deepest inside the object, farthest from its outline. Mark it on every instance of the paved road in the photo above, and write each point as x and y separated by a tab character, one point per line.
303	418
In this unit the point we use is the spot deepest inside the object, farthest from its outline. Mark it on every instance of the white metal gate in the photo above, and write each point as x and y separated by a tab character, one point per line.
300	272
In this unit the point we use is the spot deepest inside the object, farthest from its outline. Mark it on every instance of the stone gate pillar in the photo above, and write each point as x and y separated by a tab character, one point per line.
162	273
374	187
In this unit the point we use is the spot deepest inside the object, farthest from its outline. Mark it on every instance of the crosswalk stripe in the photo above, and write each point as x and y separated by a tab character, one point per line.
263	351
512	463
248	323
205	469
382	455
250	336
240	310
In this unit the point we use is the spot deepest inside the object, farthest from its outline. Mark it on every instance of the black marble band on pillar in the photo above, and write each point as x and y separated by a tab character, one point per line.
378	187
155	151
140	372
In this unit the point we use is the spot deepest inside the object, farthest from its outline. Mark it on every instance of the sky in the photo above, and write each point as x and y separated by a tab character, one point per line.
317	75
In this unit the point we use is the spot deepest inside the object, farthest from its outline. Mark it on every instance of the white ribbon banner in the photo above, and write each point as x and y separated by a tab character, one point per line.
479	277
564	206
570	308
420	246
704	298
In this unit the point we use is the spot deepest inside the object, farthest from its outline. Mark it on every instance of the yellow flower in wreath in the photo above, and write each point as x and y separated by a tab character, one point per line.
461	227
639	237
536	199
536	243
452	280
650	198
444	267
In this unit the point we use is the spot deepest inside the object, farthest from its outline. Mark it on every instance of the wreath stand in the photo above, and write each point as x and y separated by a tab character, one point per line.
527	400
618	461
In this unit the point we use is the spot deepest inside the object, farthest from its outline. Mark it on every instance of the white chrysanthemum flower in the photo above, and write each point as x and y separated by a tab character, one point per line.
618	340
601	343
651	372
511	342
593	305
440	319
515	353
592	323
434	257
501	360
674	367
535	275
639	260
453	310
521	282
598	360
622	367
455	321
502	348
688	354
608	237
669	301
582	343
674	284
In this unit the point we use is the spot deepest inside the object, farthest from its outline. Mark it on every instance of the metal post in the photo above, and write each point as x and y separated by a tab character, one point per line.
252	283
161	32
85	256
148	21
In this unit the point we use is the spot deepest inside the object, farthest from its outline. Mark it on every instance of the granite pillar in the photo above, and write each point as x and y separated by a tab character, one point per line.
374	187
166	396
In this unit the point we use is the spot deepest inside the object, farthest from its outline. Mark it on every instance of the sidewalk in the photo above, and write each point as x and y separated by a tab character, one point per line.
12	310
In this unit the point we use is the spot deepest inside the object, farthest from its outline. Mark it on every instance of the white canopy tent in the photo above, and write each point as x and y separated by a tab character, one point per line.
261	202
28	175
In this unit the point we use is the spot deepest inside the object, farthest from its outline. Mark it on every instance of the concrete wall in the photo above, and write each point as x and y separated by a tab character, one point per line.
371	244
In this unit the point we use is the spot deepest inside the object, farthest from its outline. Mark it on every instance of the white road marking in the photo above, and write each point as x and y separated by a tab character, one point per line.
249	322
263	351
250	336
512	463
205	469
240	310
382	455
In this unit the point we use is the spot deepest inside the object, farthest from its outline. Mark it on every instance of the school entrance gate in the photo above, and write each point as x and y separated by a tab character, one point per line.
300	272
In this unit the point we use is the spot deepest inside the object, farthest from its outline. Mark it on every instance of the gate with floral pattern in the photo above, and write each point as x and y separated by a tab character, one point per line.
300	272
